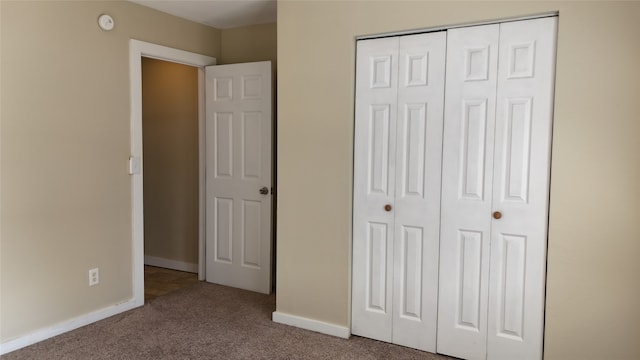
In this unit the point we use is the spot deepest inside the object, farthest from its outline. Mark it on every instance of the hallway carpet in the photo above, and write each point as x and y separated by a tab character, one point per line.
206	321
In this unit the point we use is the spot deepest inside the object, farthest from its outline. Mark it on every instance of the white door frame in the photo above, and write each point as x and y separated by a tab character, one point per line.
138	49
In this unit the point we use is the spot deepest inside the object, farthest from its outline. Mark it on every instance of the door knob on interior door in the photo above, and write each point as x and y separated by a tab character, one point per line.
387	207
264	190
497	215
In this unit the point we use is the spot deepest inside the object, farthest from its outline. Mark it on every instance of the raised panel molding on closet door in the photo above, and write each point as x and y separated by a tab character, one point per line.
472	54
374	187
417	197
521	185
398	153
451	181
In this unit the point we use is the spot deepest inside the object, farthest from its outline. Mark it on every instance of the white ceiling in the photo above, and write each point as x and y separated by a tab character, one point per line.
220	14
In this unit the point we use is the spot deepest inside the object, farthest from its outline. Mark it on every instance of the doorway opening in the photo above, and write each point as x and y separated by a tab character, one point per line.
233	152
170	155
138	51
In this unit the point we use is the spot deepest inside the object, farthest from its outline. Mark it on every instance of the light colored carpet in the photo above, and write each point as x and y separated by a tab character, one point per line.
207	321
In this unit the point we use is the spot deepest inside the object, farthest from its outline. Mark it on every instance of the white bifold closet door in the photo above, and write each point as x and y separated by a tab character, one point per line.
495	183
397	173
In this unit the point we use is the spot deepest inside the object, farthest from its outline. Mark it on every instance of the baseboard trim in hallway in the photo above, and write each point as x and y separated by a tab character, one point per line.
170	264
311	324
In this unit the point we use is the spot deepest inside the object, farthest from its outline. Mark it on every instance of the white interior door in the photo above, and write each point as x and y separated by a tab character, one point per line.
450	221
495	191
374	187
399	114
521	189
418	165
472	55
238	175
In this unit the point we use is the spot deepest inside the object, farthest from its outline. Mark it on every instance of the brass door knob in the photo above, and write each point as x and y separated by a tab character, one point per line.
387	207
497	215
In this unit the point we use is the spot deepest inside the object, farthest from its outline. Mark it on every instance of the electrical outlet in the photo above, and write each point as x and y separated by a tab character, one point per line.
94	276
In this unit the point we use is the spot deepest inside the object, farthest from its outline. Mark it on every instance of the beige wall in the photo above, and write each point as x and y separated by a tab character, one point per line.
249	43
66	193
170	150
594	238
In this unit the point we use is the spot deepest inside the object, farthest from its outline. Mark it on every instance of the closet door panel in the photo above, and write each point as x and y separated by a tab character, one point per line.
434	158
467	178
374	187
521	185
417	196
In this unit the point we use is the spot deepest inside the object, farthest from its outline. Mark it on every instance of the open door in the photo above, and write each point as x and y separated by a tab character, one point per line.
238	175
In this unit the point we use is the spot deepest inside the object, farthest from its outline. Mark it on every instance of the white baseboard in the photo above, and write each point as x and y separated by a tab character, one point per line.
170	264
63	327
310	324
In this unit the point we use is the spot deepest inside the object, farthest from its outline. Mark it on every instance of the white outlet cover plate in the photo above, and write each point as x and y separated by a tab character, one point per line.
94	277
